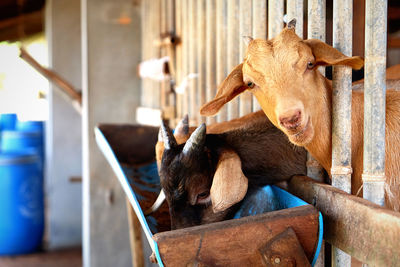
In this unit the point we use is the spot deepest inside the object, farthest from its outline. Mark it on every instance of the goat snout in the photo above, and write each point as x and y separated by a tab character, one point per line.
291	121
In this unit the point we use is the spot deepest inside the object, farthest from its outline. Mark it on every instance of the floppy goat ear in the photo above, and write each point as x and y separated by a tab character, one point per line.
327	55
229	185
231	87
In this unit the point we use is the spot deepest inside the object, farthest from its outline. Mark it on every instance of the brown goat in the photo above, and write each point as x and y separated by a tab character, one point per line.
283	75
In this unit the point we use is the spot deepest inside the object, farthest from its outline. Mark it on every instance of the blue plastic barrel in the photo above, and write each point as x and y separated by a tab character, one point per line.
20	140
8	121
27	126
21	203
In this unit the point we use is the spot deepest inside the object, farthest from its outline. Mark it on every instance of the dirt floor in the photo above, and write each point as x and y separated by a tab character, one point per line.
61	258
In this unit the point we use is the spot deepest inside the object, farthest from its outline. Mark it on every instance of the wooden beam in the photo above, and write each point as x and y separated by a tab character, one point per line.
359	227
17	28
135	237
238	242
52	76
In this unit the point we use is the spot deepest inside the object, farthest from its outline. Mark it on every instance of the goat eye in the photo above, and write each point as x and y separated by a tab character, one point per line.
250	84
203	197
310	65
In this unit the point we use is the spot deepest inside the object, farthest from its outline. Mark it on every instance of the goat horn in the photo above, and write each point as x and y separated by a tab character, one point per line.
292	24
183	126
247	39
167	136
196	140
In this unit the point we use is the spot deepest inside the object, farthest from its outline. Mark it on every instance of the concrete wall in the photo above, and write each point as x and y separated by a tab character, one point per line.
111	92
63	133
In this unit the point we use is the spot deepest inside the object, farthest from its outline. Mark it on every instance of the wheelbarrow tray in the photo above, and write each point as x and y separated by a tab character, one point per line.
290	232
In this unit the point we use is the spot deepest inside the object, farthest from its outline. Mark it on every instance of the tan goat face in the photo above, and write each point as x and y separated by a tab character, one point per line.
282	74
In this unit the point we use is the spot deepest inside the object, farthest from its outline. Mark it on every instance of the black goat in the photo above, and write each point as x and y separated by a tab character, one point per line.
206	178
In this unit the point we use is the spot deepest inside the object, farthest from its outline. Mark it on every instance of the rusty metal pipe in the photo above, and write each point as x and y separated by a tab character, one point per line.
374	101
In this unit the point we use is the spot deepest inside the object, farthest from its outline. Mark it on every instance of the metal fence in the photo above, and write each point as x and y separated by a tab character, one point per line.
209	44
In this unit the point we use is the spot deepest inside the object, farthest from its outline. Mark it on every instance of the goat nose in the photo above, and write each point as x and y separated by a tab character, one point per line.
292	121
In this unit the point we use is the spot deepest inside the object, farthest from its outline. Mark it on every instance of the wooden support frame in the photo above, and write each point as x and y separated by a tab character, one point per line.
247	237
361	228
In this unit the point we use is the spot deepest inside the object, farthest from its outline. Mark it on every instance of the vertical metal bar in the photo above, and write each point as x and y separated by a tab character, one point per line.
179	54
341	109
211	54
259	30
233	51
185	55
375	101
295	10
222	13
275	17
316	29
201	57
245	29
192	60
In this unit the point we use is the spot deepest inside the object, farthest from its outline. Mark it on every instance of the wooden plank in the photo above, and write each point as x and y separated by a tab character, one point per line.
237	242
233	51
371	234
259	30
201	58
192	42
155	29
211	53
16	28
222	72
284	250
245	29
275	17
146	83
185	54
135	237
179	55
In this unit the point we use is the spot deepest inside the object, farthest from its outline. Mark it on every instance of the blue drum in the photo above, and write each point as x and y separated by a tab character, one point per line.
21	202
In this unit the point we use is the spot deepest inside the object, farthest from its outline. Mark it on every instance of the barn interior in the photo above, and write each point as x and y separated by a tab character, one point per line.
76	64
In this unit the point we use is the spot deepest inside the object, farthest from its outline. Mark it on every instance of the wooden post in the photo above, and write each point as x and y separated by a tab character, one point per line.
295	10
259	30
375	101
185	54
211	53
245	29
154	32
275	17
135	237
192	42
222	13
179	55
201	58
341	109
233	51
